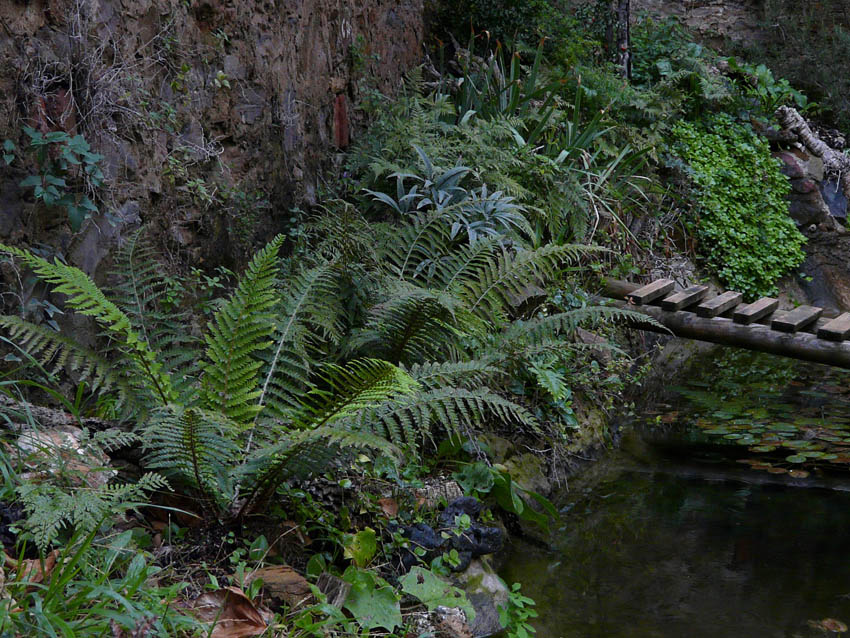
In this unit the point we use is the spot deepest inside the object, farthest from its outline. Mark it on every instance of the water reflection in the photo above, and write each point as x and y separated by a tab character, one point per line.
665	546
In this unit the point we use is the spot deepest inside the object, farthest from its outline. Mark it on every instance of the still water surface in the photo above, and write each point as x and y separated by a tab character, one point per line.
672	536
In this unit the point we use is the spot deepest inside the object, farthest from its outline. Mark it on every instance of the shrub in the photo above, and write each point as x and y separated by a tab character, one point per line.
746	236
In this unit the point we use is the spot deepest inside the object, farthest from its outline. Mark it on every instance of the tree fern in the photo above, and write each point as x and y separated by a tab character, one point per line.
237	332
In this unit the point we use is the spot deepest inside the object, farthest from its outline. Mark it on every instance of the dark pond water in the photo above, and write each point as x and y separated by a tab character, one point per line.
688	532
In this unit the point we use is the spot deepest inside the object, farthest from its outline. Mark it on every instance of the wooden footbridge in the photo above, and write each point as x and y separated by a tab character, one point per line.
800	333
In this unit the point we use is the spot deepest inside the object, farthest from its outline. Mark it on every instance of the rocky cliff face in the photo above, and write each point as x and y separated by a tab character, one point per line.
214	117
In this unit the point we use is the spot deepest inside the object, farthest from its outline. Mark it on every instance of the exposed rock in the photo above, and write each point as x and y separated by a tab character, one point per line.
529	471
476	540
834	198
828	267
806	204
487	592
59	450
230	93
443	622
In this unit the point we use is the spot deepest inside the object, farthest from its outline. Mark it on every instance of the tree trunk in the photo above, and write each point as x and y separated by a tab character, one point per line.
623	45
792	121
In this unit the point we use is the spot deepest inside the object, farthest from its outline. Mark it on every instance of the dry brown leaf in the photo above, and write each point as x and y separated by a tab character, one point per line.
283	584
829	624
234	614
30	570
291	527
389	506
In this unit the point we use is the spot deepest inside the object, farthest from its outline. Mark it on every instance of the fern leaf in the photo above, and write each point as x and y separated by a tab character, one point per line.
192	445
83	295
307	314
237	332
344	391
413	325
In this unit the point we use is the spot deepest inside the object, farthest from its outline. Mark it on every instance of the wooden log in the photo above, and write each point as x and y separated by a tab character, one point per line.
617	288
796	319
836	330
651	292
685	298
751	313
720	304
799	345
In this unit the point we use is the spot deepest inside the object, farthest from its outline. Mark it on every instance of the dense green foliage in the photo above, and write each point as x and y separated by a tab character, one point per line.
435	296
744	229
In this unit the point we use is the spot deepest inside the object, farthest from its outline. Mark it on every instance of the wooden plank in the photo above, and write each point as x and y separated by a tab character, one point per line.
720	304
836	330
749	313
651	292
684	298
796	319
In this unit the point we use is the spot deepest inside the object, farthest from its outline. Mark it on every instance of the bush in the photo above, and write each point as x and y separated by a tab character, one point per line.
746	236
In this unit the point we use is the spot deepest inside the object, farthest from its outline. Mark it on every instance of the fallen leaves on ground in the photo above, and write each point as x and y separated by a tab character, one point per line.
32	570
283	584
234	614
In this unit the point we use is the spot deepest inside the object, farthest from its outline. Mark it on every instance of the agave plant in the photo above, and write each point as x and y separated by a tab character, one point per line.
474	212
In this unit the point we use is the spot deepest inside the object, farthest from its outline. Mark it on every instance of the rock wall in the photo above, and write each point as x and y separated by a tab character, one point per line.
215	118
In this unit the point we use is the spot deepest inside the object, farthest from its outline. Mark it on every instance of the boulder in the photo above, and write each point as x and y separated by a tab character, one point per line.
487	592
62	450
529	471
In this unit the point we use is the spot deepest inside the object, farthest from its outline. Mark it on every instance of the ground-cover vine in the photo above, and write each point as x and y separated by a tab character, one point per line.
746	235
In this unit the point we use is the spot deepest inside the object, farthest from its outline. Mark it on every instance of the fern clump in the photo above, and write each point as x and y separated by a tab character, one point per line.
250	409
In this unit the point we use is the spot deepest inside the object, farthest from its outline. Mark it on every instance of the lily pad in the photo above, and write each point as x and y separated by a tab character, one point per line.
763	448
798	445
783	427
798	473
796	458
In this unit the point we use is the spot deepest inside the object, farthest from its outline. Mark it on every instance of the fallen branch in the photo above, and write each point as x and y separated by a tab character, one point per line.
792	121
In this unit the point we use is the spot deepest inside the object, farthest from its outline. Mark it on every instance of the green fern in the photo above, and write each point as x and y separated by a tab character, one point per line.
193	446
237	332
85	297
50	508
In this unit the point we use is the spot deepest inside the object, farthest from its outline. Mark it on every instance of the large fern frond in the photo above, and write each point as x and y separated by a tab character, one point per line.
83	295
308	314
565	322
414	324
139	288
467	374
304	453
454	410
490	289
195	446
56	352
344	391
237	332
